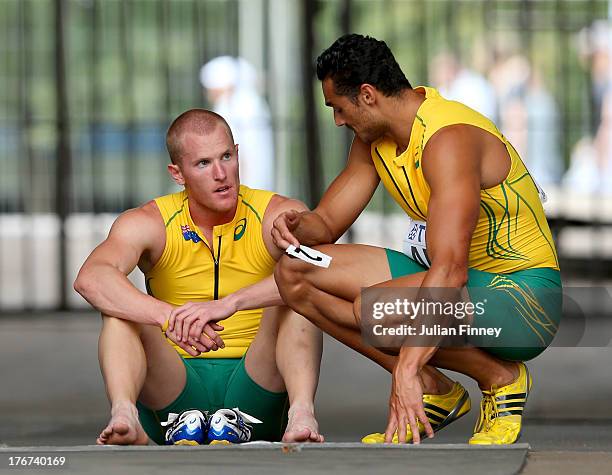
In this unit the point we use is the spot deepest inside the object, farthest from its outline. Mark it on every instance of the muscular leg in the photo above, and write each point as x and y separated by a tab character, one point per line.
286	354
298	356
136	363
326	298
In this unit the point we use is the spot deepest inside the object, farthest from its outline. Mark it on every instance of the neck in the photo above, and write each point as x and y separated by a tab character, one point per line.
206	219
401	116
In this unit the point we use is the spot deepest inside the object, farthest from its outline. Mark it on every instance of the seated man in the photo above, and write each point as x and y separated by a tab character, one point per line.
480	225
207	256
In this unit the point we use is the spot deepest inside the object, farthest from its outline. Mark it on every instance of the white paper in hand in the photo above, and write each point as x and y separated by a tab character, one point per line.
312	256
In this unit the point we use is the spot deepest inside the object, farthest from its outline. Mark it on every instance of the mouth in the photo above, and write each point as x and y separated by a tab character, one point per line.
223	189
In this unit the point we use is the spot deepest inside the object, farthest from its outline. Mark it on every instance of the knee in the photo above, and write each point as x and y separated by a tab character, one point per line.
115	324
291	277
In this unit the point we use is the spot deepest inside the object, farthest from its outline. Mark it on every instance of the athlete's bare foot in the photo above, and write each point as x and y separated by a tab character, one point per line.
123	428
302	426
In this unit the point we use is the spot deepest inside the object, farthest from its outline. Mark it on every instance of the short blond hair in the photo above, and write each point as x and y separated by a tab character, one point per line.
197	121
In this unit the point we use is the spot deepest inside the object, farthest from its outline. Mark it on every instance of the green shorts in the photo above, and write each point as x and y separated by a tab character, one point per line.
222	383
525	304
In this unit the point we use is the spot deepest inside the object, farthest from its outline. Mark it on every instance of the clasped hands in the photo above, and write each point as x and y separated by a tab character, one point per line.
193	326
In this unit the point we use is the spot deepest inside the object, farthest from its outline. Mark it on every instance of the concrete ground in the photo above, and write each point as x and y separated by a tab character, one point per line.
300	459
52	396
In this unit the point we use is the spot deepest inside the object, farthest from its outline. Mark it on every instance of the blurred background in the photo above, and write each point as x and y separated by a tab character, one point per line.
89	87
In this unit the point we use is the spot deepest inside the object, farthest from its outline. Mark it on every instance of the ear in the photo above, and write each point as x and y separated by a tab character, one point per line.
175	173
367	93
237	161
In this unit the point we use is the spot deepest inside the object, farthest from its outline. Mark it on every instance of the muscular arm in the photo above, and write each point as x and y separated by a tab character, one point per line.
280	205
452	168
451	165
103	281
340	206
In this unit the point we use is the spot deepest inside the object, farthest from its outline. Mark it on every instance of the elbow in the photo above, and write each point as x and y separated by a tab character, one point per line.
84	285
328	236
452	274
459	279
456	274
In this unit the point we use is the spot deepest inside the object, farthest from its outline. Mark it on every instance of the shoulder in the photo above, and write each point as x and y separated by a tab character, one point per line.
453	152
145	219
438	111
279	204
454	136
268	203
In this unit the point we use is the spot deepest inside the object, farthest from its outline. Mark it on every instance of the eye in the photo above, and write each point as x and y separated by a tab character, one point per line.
203	163
227	156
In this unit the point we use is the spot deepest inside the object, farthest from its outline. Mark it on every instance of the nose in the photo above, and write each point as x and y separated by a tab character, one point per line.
218	171
338	120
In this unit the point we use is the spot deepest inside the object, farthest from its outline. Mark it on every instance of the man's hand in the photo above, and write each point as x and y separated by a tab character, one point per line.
406	406
195	348
283	227
196	322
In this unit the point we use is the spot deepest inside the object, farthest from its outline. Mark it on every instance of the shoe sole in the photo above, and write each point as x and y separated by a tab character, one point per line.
220	442
186	442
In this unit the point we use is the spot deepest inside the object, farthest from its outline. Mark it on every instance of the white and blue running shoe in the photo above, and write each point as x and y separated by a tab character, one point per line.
187	428
230	426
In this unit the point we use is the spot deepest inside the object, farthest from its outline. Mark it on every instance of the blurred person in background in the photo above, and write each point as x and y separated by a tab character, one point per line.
594	50
456	82
231	87
207	256
590	169
529	117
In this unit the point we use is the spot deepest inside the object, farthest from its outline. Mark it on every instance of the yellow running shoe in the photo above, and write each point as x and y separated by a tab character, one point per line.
441	410
501	411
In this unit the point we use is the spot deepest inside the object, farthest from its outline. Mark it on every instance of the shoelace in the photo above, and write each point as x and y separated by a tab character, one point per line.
488	410
172	417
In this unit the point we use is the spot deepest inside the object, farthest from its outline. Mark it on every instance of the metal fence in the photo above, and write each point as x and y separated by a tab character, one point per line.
90	86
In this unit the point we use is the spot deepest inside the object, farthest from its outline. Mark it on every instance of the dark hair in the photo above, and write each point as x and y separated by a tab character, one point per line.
197	121
354	60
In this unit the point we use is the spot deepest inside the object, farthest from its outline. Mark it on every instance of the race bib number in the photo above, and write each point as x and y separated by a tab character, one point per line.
415	246
312	256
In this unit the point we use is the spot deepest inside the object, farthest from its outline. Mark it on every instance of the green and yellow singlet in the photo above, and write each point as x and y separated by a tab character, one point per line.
512	233
192	270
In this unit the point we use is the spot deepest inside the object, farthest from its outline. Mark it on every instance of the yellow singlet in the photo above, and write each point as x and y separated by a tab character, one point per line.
192	270
512	233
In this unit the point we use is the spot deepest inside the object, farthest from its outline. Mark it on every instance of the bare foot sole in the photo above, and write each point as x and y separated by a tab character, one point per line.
123	429
302	427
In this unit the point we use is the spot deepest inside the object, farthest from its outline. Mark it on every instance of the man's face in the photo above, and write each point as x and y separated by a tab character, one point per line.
208	168
359	116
